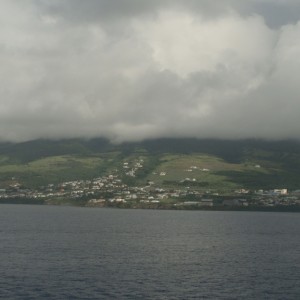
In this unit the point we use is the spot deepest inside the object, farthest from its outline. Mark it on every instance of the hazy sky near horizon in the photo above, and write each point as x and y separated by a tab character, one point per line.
136	69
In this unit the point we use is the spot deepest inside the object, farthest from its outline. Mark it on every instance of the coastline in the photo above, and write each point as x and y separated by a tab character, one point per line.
160	206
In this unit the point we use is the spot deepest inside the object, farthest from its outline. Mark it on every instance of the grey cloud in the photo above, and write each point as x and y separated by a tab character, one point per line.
130	70
275	12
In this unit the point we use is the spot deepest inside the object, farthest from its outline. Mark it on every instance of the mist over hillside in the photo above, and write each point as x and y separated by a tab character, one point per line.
133	70
231	150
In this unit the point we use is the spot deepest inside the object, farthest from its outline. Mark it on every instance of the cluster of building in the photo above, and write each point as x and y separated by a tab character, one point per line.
111	190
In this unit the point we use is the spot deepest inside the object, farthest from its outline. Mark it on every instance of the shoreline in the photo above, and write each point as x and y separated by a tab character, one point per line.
279	208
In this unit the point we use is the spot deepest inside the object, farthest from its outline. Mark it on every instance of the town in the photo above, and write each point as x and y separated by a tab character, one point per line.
111	191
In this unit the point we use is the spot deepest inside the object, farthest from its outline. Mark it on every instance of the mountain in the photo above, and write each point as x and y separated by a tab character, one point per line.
205	164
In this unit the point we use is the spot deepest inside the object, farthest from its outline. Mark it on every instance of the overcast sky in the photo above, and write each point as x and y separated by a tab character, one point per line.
136	69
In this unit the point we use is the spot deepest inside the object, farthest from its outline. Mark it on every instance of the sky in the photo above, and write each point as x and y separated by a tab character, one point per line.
129	70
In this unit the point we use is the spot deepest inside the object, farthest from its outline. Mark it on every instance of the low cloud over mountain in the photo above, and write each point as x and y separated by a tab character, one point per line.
129	70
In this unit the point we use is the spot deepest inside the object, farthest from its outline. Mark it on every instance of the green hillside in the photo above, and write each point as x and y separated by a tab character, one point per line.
203	164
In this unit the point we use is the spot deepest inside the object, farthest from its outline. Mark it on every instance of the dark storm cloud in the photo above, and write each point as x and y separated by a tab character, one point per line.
132	69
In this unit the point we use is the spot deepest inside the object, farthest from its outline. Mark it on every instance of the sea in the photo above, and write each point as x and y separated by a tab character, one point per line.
54	252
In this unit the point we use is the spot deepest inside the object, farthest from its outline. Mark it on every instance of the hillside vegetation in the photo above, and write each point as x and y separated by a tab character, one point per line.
205	164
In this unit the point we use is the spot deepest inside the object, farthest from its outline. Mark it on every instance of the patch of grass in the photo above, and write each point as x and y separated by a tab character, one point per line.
199	167
54	169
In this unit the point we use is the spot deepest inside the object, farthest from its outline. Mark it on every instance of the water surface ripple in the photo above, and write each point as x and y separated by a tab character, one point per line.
87	253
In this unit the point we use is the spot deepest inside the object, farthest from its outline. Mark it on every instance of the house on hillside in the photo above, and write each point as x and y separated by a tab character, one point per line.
235	202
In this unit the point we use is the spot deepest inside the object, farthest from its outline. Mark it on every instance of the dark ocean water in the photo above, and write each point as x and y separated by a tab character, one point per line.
87	253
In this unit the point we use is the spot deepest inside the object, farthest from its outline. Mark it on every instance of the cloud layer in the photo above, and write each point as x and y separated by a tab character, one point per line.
130	70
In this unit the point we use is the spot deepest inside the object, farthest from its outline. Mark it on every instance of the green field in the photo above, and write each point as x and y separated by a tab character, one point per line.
207	164
55	169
